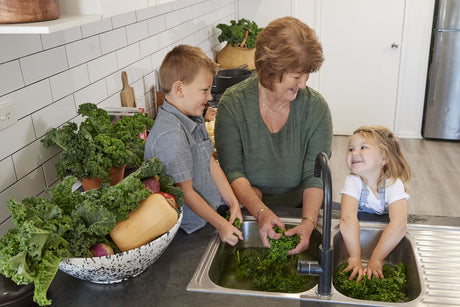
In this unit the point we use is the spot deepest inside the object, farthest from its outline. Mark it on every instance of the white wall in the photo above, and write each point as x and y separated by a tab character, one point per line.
48	76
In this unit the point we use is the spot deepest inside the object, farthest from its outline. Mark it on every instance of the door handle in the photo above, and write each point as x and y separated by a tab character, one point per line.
394	46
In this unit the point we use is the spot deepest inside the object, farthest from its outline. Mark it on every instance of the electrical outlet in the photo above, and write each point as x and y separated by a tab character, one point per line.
7	114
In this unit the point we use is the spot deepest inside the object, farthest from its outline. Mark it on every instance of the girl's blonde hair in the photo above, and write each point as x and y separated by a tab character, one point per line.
396	165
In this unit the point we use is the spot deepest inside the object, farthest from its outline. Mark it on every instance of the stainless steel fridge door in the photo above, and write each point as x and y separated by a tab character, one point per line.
449	14
442	110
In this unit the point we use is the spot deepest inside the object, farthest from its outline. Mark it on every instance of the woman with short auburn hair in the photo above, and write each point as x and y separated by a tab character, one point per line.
270	127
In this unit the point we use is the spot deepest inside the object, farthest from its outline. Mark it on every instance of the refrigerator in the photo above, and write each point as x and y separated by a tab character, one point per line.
442	101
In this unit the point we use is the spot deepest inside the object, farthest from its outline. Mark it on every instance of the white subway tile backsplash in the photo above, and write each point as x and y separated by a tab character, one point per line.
7	167
149	45
54	39
69	81
114	83
156	24
147	13
113	40
54	115
94	93
48	76
10	77
137	31
30	158
43	64
8	224
167	38
83	50
172	19
31	185
97	27
123	19
103	66
30	98
16	136
139	69
111	101
128	55
15	46
49	170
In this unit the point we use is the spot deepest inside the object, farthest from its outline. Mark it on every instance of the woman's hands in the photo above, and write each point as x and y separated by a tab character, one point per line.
267	220
304	229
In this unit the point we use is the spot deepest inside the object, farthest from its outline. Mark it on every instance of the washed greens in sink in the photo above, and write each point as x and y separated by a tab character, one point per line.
392	288
250	266
270	269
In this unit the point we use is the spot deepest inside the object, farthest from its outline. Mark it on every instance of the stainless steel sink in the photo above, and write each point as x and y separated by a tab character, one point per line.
403	253
209	275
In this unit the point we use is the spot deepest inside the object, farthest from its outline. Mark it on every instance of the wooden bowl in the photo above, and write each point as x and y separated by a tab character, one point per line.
19	11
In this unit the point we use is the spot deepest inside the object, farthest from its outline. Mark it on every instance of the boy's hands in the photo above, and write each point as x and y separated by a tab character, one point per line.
229	233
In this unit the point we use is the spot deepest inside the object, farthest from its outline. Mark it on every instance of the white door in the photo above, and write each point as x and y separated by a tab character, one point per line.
359	77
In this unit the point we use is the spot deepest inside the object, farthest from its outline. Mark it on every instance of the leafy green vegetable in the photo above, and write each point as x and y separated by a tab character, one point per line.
392	288
89	151
236	222
271	269
69	224
235	32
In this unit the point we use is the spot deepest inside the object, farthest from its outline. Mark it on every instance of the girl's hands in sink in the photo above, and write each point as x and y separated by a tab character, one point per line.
374	268
355	265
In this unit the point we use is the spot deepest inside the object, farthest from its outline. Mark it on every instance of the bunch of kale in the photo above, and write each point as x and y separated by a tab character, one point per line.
69	223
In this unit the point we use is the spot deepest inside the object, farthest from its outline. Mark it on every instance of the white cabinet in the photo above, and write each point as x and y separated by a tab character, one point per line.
362	50
78	12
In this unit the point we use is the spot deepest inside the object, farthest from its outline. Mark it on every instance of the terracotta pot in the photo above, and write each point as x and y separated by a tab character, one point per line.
116	175
232	57
15	11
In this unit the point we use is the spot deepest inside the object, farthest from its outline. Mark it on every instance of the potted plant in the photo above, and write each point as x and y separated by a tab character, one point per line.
98	149
241	39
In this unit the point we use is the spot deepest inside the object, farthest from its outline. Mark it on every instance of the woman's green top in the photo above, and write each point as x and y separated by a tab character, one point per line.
280	164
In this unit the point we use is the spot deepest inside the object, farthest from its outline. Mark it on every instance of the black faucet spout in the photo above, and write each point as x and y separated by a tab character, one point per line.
324	267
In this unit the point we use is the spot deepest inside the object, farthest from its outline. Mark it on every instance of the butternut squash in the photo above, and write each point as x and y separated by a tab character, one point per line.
153	218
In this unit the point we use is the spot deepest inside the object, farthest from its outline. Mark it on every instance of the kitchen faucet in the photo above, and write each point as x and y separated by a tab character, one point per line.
322	268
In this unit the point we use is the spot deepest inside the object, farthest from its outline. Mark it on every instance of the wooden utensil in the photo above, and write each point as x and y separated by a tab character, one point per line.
127	94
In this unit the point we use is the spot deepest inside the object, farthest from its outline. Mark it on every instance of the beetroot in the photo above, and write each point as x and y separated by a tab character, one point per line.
100	249
153	184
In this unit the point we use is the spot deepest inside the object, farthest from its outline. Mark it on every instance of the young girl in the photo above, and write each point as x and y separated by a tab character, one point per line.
377	184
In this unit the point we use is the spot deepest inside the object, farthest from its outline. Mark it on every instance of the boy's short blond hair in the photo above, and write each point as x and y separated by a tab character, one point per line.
183	63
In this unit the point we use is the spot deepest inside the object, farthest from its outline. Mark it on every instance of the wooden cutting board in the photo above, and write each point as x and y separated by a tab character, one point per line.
127	94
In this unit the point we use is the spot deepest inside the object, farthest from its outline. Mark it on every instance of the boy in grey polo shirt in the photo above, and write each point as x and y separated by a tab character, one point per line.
179	138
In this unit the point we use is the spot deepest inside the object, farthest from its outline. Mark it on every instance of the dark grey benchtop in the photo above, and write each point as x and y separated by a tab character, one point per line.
165	282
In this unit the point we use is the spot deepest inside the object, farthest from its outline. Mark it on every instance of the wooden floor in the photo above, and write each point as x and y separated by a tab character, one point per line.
435	165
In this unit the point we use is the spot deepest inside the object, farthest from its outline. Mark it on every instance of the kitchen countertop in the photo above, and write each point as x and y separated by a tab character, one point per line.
165	282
